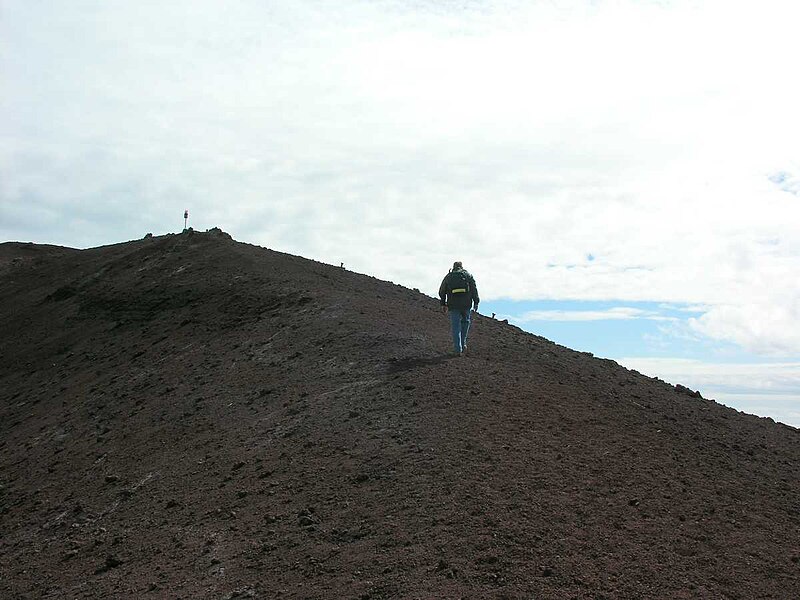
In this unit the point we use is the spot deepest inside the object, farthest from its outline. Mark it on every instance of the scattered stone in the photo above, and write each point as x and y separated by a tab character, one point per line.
682	389
217	232
112	479
241	594
238	465
62	293
306	518
111	562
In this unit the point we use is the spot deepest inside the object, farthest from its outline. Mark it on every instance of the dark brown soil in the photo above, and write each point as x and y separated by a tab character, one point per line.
191	417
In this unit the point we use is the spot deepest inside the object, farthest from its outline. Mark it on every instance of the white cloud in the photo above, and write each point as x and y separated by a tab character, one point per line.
768	389
692	308
395	136
617	313
779	377
760	328
786	181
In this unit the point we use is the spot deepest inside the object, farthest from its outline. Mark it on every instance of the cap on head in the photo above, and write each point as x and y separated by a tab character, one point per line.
457	266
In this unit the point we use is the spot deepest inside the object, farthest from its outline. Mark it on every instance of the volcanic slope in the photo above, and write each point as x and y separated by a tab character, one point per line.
187	416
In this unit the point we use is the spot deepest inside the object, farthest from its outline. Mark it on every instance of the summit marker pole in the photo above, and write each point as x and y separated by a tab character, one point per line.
185	219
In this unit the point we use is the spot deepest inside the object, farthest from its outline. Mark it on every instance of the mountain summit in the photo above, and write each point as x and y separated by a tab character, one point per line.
187	416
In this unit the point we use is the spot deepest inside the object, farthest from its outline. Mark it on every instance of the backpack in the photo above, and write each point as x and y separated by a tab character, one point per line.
458	280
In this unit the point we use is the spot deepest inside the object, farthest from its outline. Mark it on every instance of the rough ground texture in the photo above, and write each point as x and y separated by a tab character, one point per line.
191	417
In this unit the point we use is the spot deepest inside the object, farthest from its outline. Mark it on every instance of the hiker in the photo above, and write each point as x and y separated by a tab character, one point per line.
458	292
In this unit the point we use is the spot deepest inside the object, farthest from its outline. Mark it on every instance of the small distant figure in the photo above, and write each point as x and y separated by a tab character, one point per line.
341	265
459	294
493	315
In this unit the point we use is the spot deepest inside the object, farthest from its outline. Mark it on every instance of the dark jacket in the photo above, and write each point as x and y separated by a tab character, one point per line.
453	293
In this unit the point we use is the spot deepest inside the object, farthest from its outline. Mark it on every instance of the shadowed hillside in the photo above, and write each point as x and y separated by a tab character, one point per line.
191	417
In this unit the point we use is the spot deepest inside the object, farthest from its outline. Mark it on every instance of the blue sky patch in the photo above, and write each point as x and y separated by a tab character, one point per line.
612	329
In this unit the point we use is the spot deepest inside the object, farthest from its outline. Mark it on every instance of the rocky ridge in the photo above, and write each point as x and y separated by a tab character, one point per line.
188	416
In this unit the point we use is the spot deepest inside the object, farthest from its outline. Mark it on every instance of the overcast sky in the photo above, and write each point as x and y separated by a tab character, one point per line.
620	151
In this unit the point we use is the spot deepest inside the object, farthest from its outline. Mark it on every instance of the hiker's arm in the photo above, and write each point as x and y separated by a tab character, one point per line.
443	292
475	298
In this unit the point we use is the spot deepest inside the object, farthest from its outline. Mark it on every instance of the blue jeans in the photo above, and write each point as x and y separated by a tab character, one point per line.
459	325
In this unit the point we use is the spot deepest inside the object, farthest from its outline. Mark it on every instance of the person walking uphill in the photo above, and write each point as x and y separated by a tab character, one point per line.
458	293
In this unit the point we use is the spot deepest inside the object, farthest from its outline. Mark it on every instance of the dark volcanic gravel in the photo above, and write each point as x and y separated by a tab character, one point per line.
190	417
